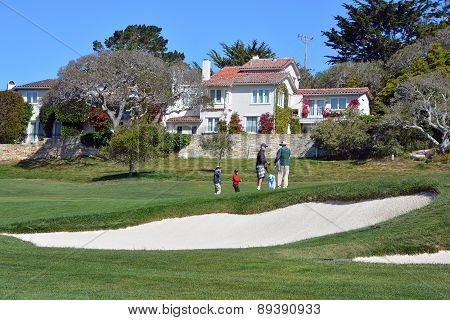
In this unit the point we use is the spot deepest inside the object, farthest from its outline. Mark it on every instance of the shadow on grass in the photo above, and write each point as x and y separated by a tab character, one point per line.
32	164
137	175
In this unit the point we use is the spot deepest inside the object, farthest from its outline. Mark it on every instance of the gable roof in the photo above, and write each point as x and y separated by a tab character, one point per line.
255	71
43	84
185	119
267	64
229	76
326	91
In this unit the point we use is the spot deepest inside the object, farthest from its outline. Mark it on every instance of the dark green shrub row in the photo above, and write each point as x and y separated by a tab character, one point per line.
96	139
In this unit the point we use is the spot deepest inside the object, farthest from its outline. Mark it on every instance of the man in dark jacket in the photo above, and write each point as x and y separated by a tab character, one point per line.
283	163
261	164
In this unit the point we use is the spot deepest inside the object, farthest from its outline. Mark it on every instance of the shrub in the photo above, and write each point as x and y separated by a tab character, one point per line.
222	126
70	111
235	126
135	144
70	130
26	116
295	126
283	114
47	118
360	136
14	116
96	139
180	141
99	120
266	124
346	138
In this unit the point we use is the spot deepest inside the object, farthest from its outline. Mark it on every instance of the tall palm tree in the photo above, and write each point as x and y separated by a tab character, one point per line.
238	53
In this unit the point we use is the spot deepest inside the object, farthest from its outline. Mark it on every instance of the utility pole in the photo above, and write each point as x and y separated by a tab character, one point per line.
306	39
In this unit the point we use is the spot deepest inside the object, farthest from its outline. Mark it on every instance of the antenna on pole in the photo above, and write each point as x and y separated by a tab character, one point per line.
306	39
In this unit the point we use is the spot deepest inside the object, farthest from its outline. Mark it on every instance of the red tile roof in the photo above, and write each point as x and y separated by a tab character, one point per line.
185	119
267	64
228	76
43	84
361	90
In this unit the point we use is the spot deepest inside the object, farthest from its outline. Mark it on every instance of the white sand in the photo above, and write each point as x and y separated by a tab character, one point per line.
221	230
441	257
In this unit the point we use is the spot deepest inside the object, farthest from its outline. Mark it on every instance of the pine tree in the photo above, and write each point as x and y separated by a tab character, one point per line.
376	29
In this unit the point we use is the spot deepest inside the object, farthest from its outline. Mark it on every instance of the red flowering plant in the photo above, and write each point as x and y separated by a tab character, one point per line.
235	126
354	104
327	113
99	120
266	124
305	107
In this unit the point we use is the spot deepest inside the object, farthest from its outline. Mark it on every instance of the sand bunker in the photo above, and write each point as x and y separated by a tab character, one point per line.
441	257
221	230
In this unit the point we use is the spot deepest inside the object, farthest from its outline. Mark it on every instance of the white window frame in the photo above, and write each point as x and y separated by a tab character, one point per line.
213	94
312	108
257	124
338	103
214	120
319	113
260	96
280	101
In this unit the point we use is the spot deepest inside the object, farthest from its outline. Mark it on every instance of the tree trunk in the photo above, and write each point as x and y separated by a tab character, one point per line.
131	171
443	146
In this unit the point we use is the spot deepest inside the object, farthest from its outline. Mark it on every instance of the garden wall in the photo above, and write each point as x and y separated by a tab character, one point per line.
247	145
67	148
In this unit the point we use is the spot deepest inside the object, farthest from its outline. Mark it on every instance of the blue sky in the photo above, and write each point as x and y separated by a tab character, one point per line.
194	27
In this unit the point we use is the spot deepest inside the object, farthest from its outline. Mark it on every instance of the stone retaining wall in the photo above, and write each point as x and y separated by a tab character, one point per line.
67	148
247	145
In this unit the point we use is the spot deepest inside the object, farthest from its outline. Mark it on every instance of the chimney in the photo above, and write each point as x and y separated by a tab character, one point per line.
255	57
10	85
206	70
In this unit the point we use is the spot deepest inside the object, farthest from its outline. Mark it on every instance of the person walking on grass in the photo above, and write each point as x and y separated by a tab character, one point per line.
216	179
283	162
261	164
236	181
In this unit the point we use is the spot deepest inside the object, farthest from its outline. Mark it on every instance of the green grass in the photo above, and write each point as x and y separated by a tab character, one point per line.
87	194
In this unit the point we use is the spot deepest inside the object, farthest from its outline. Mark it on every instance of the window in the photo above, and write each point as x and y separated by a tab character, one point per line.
212	124
251	124
312	109
194	130
319	107
280	98
31	96
260	96
227	96
266	96
216	95
56	129
180	129
338	103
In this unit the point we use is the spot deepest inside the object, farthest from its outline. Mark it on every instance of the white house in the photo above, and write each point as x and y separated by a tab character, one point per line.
32	93
250	90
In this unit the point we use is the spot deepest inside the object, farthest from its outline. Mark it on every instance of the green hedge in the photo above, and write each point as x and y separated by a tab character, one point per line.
96	139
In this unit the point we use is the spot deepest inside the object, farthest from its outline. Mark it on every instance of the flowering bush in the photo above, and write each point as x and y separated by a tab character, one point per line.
305	107
266	124
327	113
235	126
353	104
99	120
